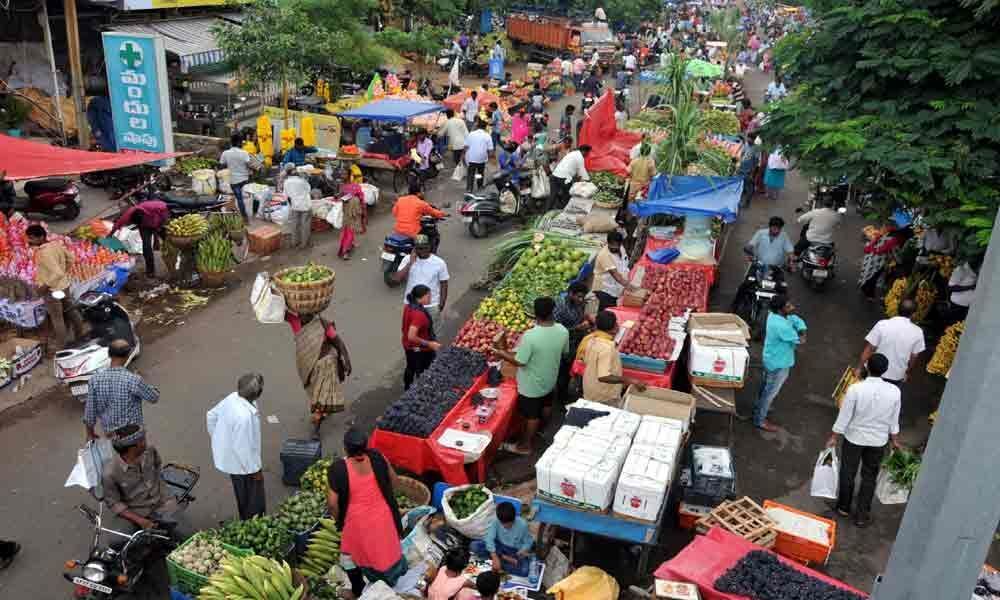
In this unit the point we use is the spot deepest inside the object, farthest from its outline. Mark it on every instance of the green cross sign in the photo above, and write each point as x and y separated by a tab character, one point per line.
130	55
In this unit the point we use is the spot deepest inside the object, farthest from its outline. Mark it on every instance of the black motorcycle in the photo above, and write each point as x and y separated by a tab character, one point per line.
753	299
396	246
115	567
482	213
818	264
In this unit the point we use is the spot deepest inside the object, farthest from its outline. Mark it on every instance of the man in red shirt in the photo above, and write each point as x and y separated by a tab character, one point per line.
408	210
150	217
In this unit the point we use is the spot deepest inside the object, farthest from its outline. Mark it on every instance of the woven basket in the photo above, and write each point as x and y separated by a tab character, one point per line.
184	241
416	491
237	236
212	279
608	205
305	298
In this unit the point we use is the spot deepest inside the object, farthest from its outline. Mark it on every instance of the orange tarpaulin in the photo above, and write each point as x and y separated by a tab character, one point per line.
23	159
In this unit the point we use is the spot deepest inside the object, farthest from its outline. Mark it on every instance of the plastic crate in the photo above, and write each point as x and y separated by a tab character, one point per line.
296	457
644	363
189	582
801	549
711	485
176	594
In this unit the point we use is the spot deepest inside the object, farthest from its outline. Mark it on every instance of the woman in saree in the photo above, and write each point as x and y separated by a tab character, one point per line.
355	218
323	364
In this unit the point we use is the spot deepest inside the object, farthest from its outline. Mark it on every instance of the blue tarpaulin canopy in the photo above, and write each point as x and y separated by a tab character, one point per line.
390	109
687	195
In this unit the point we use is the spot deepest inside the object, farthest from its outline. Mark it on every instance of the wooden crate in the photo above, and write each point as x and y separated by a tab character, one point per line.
743	517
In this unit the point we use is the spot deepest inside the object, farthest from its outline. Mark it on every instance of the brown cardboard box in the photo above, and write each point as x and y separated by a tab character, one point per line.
264	239
720	325
660	402
636	298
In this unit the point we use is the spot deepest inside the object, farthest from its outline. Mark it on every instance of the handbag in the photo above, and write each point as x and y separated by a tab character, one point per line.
826	475
268	304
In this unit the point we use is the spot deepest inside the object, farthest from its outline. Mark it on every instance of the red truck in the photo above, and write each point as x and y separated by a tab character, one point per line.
555	36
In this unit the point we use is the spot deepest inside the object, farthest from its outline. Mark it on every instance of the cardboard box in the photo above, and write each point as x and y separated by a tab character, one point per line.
661	402
642	487
264	239
27	359
717	366
676	590
725	324
635	298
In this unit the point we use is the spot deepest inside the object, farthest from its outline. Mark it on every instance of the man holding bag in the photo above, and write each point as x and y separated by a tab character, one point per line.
868	419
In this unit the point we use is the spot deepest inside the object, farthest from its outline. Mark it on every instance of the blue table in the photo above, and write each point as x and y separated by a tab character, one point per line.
604	525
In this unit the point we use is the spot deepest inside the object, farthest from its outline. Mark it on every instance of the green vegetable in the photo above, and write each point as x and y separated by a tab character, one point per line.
306	274
403	502
720	121
190	164
261	535
903	467
314	479
226	222
467	501
301	511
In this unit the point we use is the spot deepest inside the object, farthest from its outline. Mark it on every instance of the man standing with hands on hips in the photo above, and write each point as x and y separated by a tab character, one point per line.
868	418
234	429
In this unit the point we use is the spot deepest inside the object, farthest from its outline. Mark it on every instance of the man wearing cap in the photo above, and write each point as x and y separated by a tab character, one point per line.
424	267
133	489
115	394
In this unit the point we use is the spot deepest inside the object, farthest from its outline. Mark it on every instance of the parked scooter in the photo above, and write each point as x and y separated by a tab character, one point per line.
396	246
114	567
483	213
58	198
108	321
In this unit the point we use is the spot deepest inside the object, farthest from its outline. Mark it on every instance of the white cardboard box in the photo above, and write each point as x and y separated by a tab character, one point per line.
676	590
723	364
642	487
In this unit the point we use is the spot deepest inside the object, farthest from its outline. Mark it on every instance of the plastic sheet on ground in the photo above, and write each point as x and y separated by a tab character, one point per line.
707	557
610	146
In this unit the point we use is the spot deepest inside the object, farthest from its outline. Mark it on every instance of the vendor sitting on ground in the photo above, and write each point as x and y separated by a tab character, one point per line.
133	489
296	155
508	542
603	377
450	579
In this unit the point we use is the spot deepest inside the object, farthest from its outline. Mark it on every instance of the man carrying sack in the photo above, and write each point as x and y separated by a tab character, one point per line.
53	262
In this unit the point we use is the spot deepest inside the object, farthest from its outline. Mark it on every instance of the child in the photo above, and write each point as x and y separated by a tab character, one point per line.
450	579
508	542
487	584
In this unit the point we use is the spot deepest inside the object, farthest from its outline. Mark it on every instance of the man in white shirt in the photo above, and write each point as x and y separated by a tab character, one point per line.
426	268
572	166
234	429
567	71
455	131
899	339
962	286
470	109
299	194
478	146
822	222
240	163
868	418
630	62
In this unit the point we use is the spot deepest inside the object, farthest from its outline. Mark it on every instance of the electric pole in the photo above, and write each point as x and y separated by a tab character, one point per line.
954	507
76	73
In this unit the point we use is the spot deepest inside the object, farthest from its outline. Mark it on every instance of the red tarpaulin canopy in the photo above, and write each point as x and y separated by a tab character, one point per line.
22	159
610	146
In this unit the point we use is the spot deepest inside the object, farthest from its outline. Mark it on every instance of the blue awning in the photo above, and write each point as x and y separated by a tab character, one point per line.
687	195
390	109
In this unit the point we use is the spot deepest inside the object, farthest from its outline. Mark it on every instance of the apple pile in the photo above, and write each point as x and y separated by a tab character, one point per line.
649	338
478	335
677	287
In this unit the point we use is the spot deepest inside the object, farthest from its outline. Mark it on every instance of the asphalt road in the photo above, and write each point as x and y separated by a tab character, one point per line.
198	363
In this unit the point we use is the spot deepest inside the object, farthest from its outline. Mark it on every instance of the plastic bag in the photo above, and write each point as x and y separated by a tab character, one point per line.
90	460
268	305
475	525
583	189
539	184
888	492
335	216
379	590
459	173
826	475
586	583
599	223
371	193
418	545
130	238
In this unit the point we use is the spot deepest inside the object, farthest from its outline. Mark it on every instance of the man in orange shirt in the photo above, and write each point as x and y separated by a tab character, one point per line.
409	209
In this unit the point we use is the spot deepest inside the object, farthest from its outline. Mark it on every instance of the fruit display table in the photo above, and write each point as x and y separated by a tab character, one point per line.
663	380
422	455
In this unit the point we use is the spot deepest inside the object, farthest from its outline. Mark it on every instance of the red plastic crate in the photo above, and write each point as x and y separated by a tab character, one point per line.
801	549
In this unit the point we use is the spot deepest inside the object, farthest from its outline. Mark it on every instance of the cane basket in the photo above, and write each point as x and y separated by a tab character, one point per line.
184	242
305	298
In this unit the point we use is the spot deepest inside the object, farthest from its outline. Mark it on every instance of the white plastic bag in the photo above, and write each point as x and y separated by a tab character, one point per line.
475	525
826	475
888	492
130	238
583	189
268	304
335	216
459	173
539	184
90	460
371	193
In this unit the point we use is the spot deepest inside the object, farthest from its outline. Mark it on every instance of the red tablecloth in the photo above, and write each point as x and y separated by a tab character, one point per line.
707	557
421	455
653	244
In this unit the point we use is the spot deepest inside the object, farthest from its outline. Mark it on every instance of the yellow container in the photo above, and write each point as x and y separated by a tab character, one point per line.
308	131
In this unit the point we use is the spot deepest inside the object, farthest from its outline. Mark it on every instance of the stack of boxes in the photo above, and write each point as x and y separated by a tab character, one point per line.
649	468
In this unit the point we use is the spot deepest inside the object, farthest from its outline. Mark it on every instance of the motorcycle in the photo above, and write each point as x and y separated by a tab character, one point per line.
112	570
760	284
818	264
108	321
485	212
396	246
50	197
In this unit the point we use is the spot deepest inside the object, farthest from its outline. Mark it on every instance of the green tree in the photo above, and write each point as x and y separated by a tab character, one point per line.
725	23
630	13
344	22
900	96
423	43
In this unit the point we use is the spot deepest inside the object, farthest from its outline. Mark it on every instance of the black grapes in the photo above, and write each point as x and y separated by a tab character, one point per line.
761	576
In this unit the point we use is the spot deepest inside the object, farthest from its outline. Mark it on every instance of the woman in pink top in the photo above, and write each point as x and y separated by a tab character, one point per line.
520	127
362	501
450	578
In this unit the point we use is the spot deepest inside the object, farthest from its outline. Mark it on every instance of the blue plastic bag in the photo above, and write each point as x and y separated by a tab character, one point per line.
663	256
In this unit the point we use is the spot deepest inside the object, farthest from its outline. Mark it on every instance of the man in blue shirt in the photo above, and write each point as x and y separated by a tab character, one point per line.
784	332
771	247
297	154
508	542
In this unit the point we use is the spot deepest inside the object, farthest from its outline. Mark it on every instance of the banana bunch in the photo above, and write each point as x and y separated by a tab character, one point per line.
192	225
926	294
314	479
323	550
252	578
944	353
214	253
894	296
945	264
226	222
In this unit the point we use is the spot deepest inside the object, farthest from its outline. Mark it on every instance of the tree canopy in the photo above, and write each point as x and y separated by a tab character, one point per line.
899	96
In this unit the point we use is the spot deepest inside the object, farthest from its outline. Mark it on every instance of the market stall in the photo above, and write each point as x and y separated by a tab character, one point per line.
23	159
